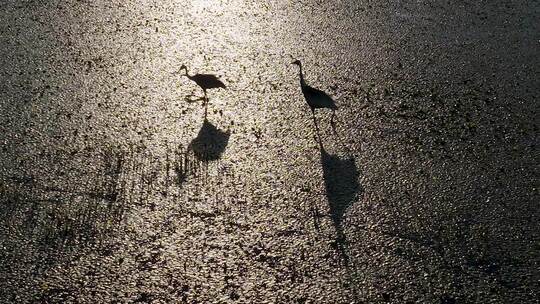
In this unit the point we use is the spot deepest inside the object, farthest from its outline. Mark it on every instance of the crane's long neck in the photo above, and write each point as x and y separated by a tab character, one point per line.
302	82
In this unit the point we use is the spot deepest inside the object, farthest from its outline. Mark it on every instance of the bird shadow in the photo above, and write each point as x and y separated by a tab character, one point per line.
210	142
207	146
340	176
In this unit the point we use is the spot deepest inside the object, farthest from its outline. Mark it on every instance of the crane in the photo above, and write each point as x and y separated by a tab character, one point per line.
315	98
205	82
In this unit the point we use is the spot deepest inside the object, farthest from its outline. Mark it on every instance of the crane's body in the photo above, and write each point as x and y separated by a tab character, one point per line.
205	82
315	98
318	99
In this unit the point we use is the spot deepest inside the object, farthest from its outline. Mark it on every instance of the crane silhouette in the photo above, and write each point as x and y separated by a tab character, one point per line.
205	82
315	98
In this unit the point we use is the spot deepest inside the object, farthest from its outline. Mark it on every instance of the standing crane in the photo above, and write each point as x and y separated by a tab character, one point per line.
205	82
315	98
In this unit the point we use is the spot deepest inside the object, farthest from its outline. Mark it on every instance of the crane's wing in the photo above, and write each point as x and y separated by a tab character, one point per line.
319	99
209	81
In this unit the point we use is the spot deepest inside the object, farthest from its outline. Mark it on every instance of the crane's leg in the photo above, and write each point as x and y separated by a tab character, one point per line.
316	126
205	104
333	122
314	119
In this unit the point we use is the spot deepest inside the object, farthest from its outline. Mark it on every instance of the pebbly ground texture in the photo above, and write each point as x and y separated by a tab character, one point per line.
114	188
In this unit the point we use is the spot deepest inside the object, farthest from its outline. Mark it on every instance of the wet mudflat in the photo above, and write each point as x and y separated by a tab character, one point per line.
115	185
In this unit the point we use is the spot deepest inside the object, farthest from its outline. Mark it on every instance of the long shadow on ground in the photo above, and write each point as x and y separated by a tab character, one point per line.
342	188
207	146
210	142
